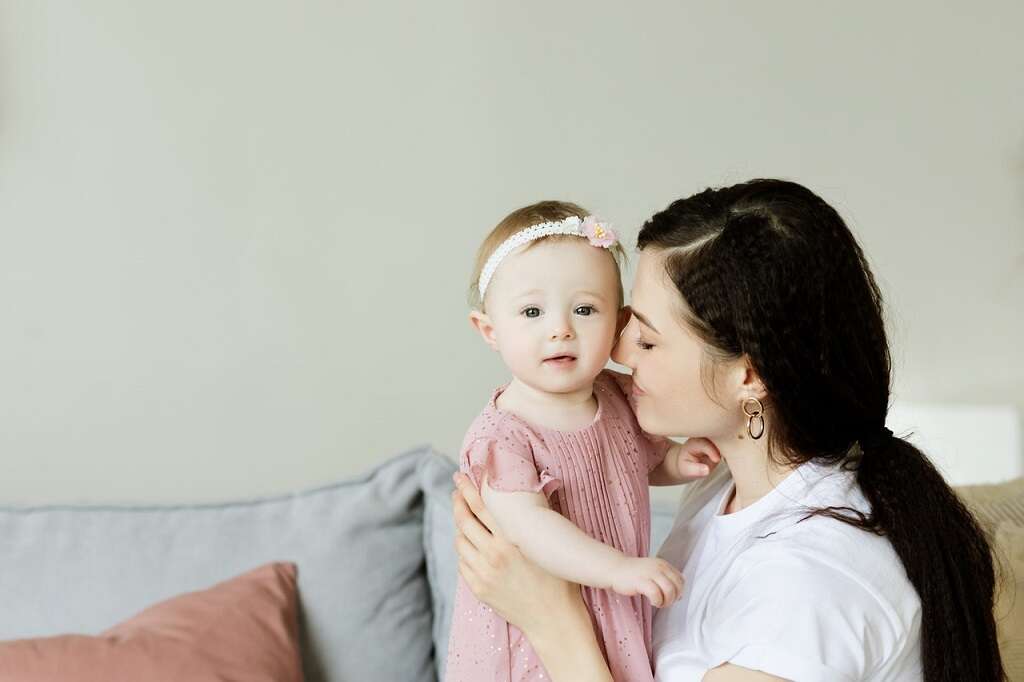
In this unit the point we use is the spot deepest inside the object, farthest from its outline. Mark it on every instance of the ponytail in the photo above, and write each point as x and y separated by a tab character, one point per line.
944	552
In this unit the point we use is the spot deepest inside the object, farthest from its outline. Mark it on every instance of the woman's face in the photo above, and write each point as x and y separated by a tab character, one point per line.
667	360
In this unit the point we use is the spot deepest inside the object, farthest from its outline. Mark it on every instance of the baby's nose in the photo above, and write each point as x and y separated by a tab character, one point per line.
562	332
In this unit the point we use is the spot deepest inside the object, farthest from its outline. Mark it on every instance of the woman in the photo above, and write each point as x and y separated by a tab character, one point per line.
826	548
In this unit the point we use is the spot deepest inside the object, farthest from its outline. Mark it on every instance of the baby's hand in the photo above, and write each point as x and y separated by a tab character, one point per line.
654	578
697	458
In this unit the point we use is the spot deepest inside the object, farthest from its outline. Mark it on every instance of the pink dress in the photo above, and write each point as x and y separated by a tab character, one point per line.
597	478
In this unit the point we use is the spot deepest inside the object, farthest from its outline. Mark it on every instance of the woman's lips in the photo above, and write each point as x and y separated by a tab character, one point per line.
637	390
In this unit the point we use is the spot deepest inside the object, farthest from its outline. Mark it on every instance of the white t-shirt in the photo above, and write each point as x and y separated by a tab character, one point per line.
814	601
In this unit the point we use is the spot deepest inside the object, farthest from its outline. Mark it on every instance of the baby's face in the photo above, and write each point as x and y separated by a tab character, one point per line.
554	308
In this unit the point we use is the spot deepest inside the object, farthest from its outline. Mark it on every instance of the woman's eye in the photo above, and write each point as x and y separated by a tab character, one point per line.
531	312
644	346
585	310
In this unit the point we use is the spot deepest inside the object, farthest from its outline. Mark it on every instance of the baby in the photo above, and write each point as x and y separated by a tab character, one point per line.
557	452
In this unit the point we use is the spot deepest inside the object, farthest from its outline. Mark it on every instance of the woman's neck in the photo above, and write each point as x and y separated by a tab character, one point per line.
754	474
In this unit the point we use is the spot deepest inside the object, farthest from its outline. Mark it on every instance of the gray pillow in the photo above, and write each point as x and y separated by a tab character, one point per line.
366	611
439	541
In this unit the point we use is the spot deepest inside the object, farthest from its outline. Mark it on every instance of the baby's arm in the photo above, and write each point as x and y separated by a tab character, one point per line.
558	546
685	462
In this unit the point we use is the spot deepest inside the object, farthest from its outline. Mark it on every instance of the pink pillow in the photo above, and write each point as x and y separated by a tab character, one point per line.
245	628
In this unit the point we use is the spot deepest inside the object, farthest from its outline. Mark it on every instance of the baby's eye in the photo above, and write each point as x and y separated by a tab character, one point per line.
532	311
642	345
585	310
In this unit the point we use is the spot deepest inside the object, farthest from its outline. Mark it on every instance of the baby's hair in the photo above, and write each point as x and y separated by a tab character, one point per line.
522	218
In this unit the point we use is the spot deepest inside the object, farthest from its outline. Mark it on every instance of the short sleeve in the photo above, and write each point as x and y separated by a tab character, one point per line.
659	445
508	463
799	619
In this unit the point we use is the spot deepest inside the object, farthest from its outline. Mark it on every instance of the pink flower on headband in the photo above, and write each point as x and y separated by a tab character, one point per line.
599	233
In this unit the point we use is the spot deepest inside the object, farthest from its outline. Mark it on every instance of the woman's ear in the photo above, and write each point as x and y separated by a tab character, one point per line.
744	381
750	385
482	323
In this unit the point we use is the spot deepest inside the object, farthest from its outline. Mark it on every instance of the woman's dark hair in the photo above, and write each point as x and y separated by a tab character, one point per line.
770	271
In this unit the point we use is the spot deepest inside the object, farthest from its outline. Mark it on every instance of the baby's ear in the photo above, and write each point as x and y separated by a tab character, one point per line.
623	319
482	323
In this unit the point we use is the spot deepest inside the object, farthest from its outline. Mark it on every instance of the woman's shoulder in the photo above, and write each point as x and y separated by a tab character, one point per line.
861	618
787	580
850	588
820	553
828	561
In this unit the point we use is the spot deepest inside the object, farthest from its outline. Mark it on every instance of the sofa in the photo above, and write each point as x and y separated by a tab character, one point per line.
374	555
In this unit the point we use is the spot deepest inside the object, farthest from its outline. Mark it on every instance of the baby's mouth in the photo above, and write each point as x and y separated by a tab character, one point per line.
560	360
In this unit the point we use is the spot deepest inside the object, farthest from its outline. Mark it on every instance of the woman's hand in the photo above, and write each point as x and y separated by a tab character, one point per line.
497	572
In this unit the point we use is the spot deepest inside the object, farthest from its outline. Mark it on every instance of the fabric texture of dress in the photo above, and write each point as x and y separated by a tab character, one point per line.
597	477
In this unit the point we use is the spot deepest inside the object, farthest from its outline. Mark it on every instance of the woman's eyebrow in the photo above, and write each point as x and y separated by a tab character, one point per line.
645	321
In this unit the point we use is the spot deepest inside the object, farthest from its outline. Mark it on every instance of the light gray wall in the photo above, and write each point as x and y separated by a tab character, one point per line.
235	237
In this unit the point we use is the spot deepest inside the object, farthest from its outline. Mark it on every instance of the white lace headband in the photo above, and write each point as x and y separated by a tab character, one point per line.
599	233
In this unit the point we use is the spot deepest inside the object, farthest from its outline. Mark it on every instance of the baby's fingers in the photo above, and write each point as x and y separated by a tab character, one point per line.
693	469
652	590
670	580
703	447
676	578
669	590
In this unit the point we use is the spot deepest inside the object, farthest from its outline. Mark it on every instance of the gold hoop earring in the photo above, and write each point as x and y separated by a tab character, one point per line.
757	413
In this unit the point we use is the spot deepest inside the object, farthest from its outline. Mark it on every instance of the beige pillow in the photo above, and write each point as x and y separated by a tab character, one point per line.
1000	510
1009	609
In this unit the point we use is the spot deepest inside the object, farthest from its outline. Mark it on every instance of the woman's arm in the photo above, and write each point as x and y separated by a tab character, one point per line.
558	546
550	611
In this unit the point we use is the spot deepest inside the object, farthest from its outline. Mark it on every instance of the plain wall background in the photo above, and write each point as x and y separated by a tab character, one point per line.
235	238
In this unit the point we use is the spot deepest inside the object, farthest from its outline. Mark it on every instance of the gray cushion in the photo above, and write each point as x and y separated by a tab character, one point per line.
439	540
358	545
